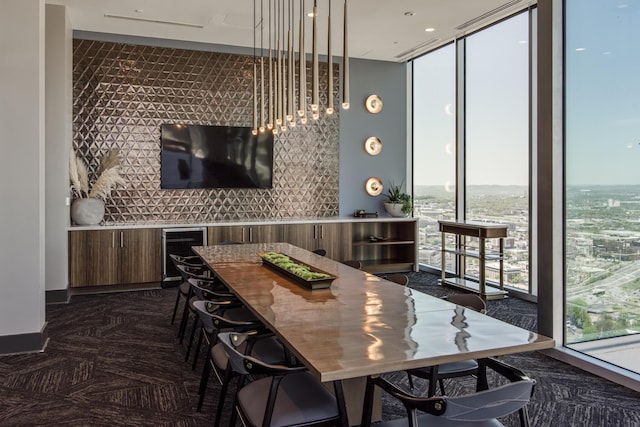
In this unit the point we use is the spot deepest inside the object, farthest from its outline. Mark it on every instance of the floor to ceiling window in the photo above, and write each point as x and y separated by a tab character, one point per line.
434	147
602	179
497	139
493	130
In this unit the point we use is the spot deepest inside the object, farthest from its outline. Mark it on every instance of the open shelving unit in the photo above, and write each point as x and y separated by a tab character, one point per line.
385	246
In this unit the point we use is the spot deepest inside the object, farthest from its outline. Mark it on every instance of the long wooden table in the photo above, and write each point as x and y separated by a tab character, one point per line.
362	325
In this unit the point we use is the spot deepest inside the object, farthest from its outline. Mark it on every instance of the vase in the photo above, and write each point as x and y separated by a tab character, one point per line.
89	211
394	209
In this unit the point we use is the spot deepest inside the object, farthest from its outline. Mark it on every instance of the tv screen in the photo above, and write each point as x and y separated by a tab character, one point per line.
198	156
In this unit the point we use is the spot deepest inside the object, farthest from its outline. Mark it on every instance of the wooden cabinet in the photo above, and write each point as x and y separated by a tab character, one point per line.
245	234
114	257
332	237
385	246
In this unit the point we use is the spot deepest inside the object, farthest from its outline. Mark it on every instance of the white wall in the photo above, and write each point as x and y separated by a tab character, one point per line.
59	112
22	209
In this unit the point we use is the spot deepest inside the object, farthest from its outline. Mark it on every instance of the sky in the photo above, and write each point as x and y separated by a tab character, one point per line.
602	87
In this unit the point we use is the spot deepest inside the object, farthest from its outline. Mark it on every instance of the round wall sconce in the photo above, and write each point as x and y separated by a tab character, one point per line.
373	145
373	186
373	104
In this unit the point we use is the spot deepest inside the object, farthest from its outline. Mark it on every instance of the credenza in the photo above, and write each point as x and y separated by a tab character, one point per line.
122	255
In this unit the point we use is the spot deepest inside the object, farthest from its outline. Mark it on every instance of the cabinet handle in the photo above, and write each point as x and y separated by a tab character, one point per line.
315	232
322	231
121	239
113	239
250	234
242	240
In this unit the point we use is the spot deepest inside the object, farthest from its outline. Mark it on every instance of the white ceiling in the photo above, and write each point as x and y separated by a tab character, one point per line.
378	29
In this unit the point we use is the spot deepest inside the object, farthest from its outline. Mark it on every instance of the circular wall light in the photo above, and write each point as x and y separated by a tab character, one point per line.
373	104
373	186
373	145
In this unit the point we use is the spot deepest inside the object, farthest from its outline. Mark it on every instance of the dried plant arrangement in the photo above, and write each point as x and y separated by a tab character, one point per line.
108	176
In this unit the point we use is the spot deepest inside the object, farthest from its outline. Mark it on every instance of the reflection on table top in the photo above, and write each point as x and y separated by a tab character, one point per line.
363	324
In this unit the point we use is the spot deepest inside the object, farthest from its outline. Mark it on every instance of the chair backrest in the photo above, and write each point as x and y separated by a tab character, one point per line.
483	405
353	263
211	314
469	300
186	261
230	341
321	252
399	278
196	273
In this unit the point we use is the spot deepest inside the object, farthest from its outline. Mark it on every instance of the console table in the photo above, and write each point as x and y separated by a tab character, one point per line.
481	231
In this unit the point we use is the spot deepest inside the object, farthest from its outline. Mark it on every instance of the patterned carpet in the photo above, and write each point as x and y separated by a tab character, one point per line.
113	360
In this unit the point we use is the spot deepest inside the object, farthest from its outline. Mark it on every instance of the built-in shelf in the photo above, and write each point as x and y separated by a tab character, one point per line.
394	251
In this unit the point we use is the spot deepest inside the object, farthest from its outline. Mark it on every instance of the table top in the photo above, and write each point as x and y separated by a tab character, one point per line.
474	228
362	325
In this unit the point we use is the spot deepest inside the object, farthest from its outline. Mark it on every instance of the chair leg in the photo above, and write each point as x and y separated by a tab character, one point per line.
433	380
410	378
197	351
342	407
367	406
175	308
184	321
191	337
228	375
441	382
204	380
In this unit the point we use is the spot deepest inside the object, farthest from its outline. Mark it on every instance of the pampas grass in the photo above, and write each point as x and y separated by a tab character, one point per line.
108	176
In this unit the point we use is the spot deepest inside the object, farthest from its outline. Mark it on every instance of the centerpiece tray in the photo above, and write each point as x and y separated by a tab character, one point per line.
311	283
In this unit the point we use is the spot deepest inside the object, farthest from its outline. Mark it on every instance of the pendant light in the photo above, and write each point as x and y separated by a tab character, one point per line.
302	83
254	129
345	63
314	54
270	71
291	108
262	115
329	65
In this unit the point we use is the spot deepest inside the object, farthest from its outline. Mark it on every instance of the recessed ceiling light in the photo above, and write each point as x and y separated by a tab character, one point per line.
310	14
429	30
410	13
622	6
581	49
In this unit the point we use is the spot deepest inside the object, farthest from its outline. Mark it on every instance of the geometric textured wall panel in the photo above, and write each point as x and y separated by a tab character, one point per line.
123	93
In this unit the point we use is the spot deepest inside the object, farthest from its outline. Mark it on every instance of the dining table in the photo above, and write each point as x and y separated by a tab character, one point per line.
361	324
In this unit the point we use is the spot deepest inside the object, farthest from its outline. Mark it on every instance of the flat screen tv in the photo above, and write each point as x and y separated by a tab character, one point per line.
199	156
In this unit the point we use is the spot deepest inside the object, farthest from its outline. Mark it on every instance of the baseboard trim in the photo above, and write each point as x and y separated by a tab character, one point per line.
595	366
24	343
59	296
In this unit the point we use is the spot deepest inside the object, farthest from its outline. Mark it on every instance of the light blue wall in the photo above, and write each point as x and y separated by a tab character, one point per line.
389	81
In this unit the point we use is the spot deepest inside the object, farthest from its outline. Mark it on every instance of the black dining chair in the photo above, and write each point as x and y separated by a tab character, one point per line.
479	409
192	262
399	278
320	251
438	373
284	396
353	263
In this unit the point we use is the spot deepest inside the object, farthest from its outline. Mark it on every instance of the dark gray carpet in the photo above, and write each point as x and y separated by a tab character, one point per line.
113	360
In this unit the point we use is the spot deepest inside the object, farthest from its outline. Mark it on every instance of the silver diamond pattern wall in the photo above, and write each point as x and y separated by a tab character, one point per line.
122	93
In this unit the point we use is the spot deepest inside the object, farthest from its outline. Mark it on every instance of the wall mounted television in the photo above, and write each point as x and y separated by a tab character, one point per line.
200	156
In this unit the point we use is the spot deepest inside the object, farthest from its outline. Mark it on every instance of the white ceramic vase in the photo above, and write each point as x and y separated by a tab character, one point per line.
88	211
394	209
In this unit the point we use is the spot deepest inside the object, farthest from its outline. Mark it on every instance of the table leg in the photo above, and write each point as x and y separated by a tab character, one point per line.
353	389
481	264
